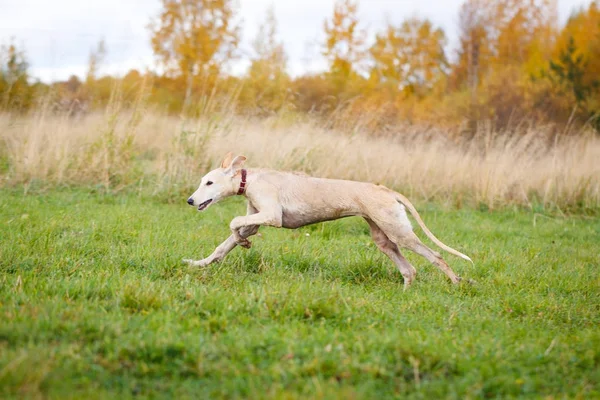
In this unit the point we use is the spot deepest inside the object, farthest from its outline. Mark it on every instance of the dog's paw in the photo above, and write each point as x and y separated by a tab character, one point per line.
245	243
195	263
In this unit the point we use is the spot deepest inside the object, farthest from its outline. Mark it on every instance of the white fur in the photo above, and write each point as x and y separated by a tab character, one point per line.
291	200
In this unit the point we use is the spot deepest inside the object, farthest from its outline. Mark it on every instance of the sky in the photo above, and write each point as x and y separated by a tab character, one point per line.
58	35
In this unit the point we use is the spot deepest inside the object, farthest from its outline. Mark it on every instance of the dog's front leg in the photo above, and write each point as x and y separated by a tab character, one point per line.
269	212
224	248
229	244
238	224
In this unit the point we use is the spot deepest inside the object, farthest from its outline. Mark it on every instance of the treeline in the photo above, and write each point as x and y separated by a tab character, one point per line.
514	64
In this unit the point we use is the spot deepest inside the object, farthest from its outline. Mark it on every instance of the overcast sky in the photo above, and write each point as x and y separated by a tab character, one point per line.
58	35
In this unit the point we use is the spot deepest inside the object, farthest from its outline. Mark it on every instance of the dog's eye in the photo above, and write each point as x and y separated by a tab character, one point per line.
209	183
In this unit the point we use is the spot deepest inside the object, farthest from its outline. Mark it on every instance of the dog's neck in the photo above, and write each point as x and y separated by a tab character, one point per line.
242	188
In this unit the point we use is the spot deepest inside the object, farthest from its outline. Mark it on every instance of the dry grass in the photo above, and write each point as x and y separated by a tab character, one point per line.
147	150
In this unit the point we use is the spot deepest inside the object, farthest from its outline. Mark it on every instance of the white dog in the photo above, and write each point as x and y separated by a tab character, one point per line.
290	200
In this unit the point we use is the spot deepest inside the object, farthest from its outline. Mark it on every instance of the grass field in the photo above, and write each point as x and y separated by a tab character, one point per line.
94	303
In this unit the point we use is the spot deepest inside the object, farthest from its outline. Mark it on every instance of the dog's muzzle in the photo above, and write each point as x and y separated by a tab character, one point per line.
202	206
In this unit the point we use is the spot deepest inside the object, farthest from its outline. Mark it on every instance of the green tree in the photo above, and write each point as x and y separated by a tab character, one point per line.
569	72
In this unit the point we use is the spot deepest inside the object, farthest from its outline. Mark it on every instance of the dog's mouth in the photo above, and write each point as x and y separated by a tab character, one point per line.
202	206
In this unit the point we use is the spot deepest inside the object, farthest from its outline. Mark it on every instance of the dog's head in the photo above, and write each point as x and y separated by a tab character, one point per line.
218	183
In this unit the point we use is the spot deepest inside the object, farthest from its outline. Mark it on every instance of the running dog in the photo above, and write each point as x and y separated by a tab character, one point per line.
292	200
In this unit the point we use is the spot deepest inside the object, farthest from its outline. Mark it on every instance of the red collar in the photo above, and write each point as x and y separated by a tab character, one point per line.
242	183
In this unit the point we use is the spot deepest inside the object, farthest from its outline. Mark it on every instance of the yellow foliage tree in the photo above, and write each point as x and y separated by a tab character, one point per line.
344	46
575	67
194	39
522	28
495	34
409	58
584	29
15	91
503	43
475	48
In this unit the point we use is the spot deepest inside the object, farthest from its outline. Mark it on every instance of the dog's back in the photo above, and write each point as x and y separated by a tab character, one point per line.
305	199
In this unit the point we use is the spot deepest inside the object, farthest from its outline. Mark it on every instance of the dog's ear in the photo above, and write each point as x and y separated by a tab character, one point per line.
227	160
236	165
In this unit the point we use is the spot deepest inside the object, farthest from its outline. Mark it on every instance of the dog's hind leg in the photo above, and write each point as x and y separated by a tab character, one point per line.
229	244
397	228
390	249
434	257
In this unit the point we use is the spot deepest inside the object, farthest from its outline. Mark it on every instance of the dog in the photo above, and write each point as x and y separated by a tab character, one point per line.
292	200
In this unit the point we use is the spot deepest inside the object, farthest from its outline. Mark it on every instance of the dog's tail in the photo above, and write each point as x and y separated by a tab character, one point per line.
430	235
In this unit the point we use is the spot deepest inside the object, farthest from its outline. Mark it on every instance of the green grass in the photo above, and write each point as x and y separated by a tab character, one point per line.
94	303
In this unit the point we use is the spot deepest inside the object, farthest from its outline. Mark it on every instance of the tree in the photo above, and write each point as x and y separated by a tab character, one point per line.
503	45
269	55
569	74
474	51
96	58
569	70
567	85
267	78
195	38
411	57
522	27
344	45
14	78
582	32
495	34
93	90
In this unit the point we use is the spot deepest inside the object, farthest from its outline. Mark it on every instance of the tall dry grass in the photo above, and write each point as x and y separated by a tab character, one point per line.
138	148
